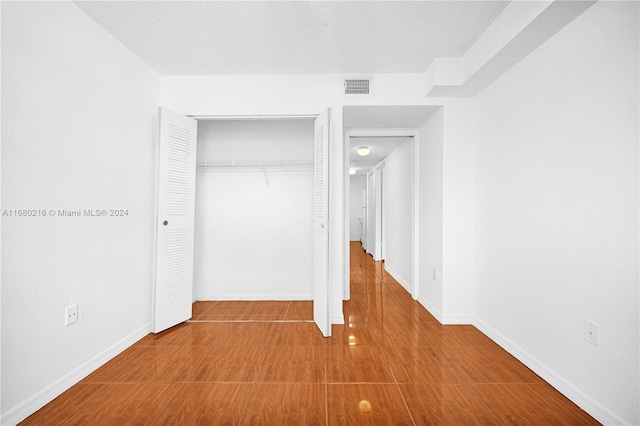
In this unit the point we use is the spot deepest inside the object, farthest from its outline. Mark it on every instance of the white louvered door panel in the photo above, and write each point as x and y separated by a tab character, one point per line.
173	290
321	225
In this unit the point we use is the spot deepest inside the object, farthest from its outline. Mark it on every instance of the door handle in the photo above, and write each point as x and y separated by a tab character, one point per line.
165	223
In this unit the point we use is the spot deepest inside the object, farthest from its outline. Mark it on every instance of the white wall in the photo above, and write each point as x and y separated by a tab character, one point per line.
254	228
457	213
357	184
281	139
79	119
397	212
284	94
556	210
430	208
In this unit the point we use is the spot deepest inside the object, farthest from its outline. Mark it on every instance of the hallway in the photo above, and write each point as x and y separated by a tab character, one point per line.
266	363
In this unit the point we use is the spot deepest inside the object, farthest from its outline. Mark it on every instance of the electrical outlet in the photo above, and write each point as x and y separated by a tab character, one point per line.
591	332
70	314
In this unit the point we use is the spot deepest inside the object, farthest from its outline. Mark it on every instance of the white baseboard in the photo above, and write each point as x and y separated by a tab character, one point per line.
592	407
404	283
251	297
445	319
55	389
337	319
457	320
429	307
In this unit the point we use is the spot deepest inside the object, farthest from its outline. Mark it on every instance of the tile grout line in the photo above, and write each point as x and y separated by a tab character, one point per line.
284	317
209	308
255	382
247	321
246	404
326	387
395	380
402	396
245	311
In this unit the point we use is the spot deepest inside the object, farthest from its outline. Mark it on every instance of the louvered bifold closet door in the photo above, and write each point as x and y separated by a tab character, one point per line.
321	225
173	290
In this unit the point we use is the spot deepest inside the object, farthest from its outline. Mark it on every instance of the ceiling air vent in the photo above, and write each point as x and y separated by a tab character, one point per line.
356	87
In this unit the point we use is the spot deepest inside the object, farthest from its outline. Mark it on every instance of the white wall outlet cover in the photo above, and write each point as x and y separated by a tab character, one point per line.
591	332
70	314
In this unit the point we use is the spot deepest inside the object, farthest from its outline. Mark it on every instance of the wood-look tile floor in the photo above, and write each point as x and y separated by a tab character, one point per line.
265	363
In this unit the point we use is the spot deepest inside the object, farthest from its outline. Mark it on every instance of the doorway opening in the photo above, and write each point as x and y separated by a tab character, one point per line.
253	218
387	121
254	210
381	200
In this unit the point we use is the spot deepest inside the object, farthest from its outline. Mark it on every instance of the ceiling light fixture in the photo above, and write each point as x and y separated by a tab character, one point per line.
352	171
363	151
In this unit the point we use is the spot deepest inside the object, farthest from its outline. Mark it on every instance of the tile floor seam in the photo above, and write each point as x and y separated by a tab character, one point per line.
360	383
284	317
264	357
326	389
244	312
246	404
248	321
255	383
208	309
402	396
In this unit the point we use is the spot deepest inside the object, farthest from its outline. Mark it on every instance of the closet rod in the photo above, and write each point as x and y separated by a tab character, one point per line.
256	163
256	117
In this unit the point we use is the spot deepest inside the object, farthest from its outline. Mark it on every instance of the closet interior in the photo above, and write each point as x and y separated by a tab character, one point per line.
254	210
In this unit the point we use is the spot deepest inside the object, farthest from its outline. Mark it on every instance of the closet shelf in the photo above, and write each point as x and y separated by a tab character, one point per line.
255	163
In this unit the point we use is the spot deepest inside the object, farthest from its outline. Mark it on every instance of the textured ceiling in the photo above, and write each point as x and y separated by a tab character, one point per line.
380	148
293	37
380	117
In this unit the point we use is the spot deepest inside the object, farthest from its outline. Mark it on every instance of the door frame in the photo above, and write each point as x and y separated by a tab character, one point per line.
380	226
370	187
374	188
415	247
241	117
